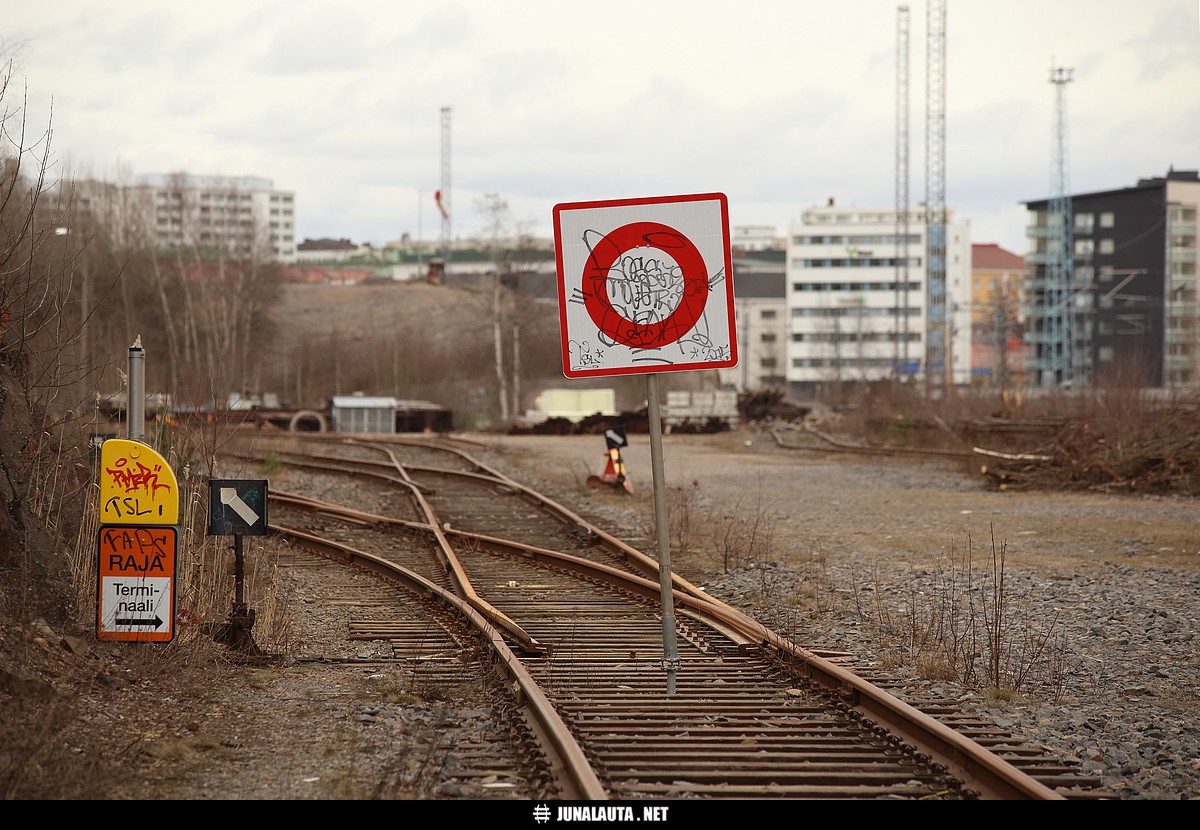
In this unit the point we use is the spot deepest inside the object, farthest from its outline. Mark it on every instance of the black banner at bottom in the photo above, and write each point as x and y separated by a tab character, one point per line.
645	814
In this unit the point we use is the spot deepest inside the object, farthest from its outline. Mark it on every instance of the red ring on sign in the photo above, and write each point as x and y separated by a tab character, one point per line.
630	332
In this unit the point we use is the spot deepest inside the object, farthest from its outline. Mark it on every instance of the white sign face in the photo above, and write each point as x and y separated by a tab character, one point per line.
644	285
132	605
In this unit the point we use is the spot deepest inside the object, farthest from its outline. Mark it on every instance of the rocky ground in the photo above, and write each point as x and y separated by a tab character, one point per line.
1097	655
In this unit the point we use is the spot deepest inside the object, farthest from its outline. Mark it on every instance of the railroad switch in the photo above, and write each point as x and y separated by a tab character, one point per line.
236	633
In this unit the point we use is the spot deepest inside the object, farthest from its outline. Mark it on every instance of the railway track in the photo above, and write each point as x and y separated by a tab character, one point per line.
570	619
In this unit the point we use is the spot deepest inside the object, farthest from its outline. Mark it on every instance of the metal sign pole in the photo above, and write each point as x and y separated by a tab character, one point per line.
615	318
135	405
238	508
670	645
239	575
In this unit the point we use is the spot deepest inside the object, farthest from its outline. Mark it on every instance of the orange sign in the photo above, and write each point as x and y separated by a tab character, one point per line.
137	486
136	583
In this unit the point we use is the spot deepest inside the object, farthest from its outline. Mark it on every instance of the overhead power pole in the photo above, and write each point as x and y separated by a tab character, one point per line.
936	328
1059	295
900	356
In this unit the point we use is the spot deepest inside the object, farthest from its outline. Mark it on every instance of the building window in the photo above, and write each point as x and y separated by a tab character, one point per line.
1084	222
1106	246
767	314
1107	220
767	363
1104	354
768	337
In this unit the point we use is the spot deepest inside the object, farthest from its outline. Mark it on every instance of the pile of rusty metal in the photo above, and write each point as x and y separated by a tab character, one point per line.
632	422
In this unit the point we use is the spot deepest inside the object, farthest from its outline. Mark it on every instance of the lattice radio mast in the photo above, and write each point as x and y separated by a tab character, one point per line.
445	190
1060	261
935	196
900	357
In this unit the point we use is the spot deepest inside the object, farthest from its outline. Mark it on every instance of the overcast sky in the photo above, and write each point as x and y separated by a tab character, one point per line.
780	105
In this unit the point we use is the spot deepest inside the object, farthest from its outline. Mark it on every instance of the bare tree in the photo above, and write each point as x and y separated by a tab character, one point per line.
511	247
213	281
496	213
36	370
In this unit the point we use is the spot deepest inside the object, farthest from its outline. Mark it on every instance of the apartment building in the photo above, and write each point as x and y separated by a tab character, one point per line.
237	215
760	321
856	299
998	278
1131	299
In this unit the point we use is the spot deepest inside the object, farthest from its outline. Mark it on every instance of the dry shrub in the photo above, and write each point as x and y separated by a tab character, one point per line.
954	620
1115	438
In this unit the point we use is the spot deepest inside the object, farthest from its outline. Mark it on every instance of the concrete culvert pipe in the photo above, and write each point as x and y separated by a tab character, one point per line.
306	420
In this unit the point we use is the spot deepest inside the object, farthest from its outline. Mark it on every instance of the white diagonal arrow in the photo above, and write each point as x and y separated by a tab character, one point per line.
229	496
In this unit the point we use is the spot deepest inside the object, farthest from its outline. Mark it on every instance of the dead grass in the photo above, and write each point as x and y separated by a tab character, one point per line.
953	619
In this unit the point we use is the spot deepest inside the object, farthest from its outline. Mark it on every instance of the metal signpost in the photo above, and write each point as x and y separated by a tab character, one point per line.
138	542
238	508
644	287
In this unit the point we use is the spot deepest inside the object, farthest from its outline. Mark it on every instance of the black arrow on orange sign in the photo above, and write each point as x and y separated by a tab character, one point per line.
156	622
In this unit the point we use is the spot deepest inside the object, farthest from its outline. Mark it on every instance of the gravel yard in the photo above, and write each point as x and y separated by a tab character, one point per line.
851	552
874	555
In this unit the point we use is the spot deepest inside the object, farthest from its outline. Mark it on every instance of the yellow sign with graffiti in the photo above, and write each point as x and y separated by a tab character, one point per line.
137	486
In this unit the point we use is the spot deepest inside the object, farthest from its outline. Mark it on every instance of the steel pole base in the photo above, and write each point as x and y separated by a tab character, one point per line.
236	632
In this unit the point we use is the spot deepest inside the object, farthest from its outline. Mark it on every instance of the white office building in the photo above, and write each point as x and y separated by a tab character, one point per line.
234	215
856	299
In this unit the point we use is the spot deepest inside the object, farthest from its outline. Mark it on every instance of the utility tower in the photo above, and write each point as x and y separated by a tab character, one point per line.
444	193
900	357
1059	296
936	365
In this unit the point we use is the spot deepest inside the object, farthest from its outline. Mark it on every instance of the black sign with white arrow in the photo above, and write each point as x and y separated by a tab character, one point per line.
614	437
237	508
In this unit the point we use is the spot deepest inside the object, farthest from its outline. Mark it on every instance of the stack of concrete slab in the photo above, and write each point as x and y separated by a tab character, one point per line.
700	407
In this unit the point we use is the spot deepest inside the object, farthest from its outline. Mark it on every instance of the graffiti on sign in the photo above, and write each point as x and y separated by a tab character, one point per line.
644	285
136	583
137	486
